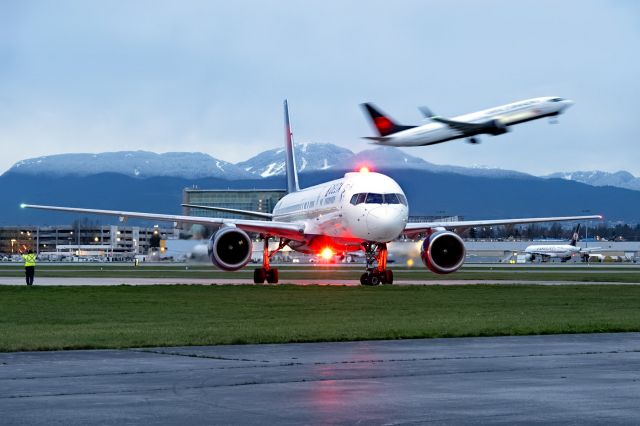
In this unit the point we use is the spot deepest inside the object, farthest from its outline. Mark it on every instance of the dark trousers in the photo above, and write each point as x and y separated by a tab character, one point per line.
29	272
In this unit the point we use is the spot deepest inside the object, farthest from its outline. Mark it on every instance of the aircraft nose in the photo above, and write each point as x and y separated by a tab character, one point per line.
385	223
566	104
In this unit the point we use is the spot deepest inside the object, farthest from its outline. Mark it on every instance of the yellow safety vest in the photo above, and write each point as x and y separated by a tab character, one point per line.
29	259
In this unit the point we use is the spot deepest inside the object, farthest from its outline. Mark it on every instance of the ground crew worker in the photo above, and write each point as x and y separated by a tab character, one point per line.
29	266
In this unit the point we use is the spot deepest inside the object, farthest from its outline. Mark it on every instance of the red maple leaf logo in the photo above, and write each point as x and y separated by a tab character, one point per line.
383	124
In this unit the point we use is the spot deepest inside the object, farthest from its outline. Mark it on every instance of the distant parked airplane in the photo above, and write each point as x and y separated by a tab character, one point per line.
562	251
493	121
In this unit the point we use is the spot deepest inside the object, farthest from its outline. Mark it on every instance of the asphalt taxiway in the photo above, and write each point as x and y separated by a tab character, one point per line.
579	379
110	281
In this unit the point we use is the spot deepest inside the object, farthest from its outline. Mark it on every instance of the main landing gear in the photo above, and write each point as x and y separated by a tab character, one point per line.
377	272
267	272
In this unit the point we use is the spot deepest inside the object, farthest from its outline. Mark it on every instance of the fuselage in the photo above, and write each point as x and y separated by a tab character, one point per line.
558	250
343	213
508	115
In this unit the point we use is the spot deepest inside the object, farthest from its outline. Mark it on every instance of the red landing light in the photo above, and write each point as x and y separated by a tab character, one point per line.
326	253
364	169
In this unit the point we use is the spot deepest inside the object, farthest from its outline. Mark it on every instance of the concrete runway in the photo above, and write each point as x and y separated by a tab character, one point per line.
579	379
58	281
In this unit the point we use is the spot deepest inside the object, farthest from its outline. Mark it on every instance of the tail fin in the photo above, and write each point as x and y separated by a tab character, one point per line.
292	172
383	124
576	236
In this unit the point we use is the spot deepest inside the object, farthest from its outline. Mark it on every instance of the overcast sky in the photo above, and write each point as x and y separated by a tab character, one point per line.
94	76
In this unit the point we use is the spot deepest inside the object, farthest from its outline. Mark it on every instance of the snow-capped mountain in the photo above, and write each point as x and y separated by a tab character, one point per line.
621	179
309	157
131	163
314	157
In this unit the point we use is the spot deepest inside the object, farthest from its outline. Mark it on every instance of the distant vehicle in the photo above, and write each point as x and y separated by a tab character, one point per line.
563	251
362	211
492	121
595	257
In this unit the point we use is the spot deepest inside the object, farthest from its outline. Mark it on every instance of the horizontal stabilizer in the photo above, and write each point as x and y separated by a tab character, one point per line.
377	139
426	112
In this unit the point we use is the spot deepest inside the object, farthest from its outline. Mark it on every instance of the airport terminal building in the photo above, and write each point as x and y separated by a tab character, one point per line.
109	241
259	200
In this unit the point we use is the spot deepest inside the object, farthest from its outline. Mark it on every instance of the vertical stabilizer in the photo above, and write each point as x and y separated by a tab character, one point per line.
576	236
292	172
384	125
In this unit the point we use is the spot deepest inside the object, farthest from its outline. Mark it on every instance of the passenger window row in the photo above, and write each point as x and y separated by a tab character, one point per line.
373	198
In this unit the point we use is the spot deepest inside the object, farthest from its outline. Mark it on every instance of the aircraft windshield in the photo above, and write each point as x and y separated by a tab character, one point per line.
556	100
373	198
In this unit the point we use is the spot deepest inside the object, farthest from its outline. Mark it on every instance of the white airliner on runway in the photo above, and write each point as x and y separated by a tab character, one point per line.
361	211
562	251
492	121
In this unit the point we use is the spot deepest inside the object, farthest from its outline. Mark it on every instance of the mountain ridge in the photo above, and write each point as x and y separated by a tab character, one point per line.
310	157
429	193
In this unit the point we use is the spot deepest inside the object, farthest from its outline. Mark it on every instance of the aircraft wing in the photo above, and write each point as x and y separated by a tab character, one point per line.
590	249
421	227
228	210
277	229
460	126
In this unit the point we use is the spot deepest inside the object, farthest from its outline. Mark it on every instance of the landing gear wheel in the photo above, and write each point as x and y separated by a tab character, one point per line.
259	275
272	276
364	279
374	279
388	276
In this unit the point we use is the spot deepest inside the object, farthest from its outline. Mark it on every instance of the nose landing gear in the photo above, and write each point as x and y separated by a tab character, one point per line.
377	272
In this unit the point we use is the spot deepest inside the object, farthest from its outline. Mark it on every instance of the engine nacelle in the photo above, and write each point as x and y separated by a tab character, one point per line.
230	248
495	127
443	252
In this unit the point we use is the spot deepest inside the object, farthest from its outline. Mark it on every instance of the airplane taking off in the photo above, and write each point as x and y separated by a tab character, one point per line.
361	211
492	121
562	251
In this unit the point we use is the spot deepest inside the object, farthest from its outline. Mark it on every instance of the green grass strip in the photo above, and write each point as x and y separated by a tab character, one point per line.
46	318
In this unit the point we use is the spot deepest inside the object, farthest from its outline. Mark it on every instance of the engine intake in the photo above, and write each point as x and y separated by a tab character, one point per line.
443	252
495	127
230	248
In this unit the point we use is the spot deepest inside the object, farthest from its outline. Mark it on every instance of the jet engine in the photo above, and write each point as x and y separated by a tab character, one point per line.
443	252
495	127
229	248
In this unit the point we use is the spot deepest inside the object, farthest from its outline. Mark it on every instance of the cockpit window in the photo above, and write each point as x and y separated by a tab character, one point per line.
358	198
391	199
556	100
373	198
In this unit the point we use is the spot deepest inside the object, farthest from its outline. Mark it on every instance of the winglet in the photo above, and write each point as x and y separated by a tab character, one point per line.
292	172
